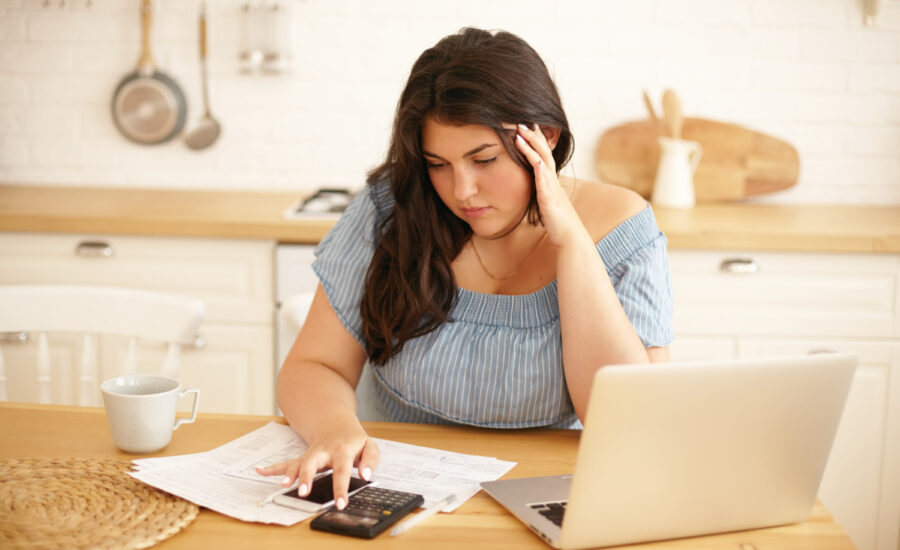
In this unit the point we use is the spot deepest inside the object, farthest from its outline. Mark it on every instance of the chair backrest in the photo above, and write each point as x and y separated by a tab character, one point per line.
294	310
95	311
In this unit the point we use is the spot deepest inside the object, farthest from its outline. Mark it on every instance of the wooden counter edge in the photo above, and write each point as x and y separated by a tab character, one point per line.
236	214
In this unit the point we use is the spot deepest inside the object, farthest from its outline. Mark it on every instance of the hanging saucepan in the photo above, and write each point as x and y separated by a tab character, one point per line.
148	106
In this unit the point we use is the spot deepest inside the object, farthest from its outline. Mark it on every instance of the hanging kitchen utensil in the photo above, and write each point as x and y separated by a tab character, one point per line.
207	130
148	105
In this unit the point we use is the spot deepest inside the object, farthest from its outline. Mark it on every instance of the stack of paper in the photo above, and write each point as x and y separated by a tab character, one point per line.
224	479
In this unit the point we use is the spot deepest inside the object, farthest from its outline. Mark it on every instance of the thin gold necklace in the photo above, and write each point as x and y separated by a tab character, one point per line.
514	271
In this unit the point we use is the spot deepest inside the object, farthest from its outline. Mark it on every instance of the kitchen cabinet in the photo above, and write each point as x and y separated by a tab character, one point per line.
232	366
746	304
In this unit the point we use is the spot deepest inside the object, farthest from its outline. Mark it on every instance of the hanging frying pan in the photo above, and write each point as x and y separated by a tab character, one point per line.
148	106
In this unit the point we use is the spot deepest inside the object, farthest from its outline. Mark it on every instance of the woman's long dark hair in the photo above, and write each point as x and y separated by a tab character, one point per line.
472	77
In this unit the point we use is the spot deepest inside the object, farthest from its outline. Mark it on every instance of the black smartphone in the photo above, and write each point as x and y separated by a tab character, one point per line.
320	496
368	512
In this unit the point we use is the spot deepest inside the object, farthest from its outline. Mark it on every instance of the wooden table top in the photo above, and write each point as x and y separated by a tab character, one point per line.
259	215
61	431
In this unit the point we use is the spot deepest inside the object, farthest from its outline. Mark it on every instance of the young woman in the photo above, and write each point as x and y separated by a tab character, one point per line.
480	287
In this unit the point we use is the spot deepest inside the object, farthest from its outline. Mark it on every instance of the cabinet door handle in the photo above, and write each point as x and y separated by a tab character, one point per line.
95	249
739	266
817	351
14	336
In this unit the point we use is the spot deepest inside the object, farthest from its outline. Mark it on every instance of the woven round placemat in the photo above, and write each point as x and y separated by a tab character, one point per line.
84	503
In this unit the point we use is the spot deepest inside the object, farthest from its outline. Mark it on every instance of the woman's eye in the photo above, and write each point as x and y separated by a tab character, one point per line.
433	165
485	161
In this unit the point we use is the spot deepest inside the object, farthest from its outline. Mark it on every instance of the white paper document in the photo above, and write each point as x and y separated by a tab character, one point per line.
224	479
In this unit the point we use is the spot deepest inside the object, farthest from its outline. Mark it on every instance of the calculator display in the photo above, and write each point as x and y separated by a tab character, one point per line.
350	520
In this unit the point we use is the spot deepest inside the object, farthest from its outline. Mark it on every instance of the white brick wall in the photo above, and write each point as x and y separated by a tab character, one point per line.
807	71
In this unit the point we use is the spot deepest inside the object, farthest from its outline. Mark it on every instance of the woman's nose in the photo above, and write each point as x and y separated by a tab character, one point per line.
464	186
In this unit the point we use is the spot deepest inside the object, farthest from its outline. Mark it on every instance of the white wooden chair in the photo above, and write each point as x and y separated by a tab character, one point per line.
34	311
294	311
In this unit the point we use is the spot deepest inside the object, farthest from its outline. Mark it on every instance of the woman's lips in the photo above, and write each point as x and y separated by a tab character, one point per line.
475	212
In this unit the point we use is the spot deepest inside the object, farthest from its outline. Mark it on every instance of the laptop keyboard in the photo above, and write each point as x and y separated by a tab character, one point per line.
553	511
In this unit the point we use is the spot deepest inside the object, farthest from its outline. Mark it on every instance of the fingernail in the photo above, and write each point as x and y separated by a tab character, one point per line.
341	504
523	128
520	139
286	480
366	473
536	127
303	489
261	467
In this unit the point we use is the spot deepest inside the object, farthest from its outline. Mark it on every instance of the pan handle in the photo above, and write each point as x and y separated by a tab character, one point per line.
203	38
146	65
203	29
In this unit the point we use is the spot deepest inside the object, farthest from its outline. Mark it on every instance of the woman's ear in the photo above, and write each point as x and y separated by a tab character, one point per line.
552	135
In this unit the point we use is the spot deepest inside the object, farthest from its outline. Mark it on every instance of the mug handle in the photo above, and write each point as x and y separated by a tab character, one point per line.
696	154
193	417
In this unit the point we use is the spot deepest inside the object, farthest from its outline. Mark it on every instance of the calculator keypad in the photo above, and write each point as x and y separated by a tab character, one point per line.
373	501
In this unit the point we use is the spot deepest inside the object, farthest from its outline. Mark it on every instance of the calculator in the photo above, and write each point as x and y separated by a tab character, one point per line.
368	512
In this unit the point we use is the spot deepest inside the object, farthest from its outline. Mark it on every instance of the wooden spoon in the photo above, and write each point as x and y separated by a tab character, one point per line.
672	113
649	103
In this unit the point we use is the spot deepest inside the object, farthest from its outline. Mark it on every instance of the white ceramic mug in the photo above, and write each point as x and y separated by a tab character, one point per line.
140	409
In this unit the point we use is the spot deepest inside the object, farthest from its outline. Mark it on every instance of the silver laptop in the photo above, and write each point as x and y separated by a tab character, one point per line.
682	449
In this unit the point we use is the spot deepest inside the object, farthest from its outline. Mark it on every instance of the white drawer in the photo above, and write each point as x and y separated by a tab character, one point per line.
849	295
699	348
233	277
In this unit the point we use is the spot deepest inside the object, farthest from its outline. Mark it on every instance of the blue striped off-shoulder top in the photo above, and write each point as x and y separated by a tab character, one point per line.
498	364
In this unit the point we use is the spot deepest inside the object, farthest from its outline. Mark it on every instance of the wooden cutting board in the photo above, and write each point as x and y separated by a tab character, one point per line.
737	162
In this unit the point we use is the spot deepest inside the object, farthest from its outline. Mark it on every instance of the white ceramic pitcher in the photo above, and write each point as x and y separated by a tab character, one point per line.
674	185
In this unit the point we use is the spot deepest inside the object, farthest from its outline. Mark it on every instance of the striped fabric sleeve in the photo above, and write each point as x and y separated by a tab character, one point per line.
644	287
638	266
343	257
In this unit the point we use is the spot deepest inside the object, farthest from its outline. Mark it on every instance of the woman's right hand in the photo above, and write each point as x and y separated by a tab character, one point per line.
316	393
340	449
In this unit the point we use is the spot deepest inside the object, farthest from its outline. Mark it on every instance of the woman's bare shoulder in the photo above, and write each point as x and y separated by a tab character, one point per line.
603	206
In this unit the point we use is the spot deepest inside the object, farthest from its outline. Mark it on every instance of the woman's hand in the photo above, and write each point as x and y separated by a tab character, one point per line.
562	223
341	449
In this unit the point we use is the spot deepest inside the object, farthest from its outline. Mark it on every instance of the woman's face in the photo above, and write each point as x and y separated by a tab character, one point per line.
475	176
